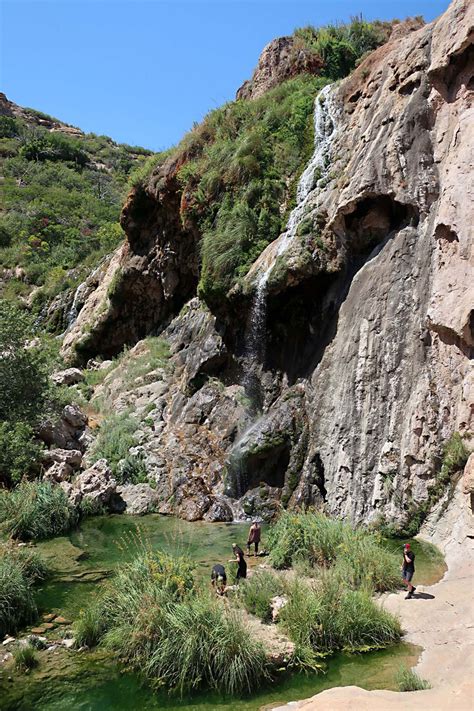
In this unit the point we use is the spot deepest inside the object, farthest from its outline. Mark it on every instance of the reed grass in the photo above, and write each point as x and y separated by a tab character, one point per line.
36	510
409	680
256	593
19	570
316	541
177	636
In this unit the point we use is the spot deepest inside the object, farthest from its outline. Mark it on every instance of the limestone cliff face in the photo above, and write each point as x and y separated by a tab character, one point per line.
368	326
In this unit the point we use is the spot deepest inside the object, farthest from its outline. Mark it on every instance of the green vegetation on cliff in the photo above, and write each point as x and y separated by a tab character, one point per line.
61	197
240	166
25	393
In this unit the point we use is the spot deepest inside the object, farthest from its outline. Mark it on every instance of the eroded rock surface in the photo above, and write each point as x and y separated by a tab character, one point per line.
368	327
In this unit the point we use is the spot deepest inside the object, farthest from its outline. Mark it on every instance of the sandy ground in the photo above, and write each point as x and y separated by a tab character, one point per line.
440	618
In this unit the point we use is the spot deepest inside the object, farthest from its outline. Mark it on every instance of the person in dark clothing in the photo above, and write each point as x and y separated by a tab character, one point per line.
219	578
408	569
254	537
240	560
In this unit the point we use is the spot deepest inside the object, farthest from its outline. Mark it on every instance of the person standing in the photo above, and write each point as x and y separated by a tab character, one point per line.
240	560
255	533
408	569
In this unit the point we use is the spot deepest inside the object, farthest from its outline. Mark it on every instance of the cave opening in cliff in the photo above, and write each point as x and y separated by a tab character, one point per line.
373	219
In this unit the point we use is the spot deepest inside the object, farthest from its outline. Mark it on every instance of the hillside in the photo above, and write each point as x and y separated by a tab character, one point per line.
61	194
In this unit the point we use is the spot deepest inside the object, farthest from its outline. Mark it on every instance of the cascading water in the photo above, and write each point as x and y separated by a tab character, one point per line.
315	173
312	178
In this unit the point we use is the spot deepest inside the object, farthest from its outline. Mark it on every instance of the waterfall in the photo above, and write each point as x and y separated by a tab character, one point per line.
312	179
255	342
310	183
314	176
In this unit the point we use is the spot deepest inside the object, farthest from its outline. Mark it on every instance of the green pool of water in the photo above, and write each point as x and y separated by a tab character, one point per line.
93	682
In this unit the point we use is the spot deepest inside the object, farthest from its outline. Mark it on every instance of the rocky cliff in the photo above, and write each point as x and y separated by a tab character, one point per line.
336	369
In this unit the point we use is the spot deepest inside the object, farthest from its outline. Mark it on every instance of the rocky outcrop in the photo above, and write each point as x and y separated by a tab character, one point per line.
68	432
367	316
96	485
135	499
283	58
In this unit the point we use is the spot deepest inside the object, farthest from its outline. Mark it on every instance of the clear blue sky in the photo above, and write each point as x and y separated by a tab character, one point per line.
142	71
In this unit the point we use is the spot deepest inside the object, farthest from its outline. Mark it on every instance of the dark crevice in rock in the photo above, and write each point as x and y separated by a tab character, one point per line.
302	321
445	232
457	73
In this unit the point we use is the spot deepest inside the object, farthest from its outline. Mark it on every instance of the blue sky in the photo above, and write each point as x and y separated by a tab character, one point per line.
142	71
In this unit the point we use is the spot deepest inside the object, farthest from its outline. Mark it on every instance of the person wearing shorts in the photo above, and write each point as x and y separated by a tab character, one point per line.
408	570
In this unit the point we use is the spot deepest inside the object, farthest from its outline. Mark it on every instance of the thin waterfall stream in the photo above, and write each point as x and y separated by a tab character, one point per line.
310	184
311	181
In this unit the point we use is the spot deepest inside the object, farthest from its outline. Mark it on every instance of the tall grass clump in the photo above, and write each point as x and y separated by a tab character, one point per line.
25	657
18	572
409	680
154	618
36	510
256	593
326	616
318	541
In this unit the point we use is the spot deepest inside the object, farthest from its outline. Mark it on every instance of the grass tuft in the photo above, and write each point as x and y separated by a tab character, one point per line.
409	680
25	657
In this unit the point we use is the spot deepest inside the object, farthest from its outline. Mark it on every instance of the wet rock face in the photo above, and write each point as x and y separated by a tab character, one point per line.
369	332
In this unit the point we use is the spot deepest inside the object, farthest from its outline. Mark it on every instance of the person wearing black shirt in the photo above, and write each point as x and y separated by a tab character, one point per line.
240	560
408	569
219	578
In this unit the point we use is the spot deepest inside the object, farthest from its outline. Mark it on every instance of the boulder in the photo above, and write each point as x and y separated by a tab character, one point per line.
74	416
468	476
58	471
70	376
72	457
277	603
138	499
96	483
67	432
220	511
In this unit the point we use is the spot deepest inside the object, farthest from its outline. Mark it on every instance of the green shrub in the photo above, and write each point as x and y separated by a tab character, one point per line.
132	470
36	510
257	591
25	657
19	569
408	680
116	436
20	451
